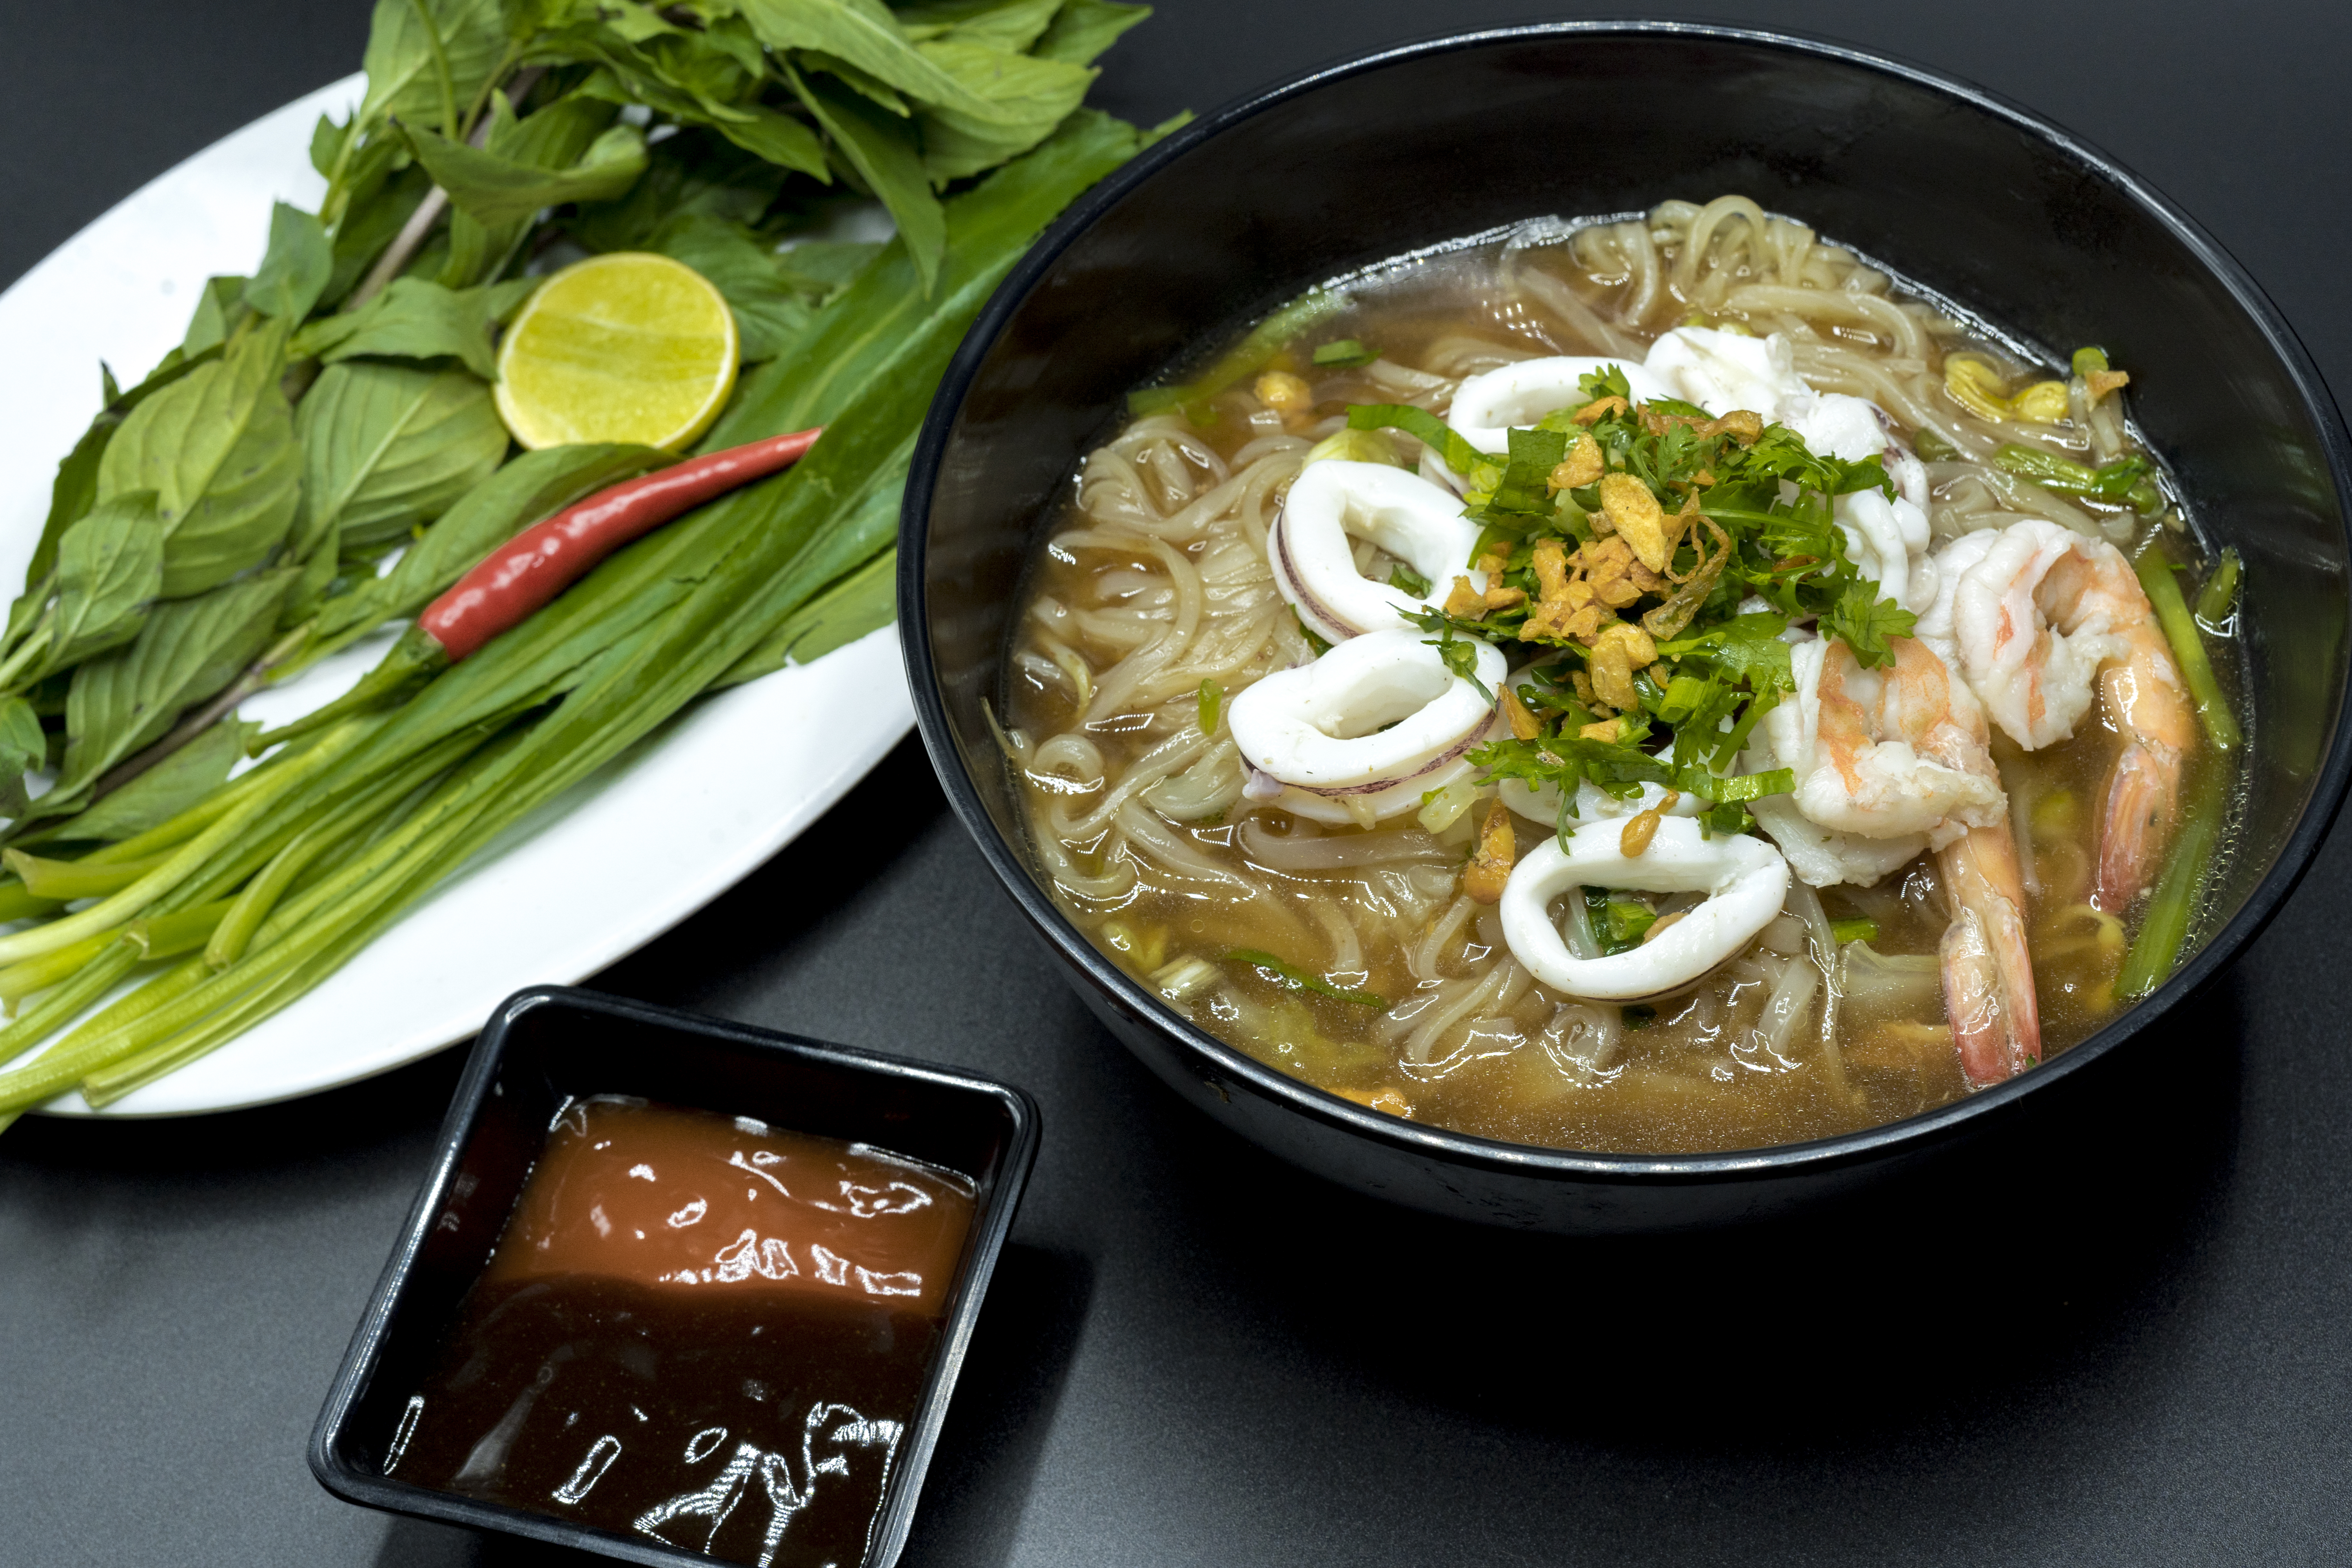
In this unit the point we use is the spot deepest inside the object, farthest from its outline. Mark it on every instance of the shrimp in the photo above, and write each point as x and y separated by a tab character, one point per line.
2045	618
1902	755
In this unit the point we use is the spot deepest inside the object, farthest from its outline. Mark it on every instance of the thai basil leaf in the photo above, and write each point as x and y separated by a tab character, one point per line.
709	78
188	650
778	139
772	307
294	269
864	34
326	139
532	488
873	91
75	490
221	309
217	448
23	747
110	570
1085	28
416	319
403	71
382	201
163	791
516	176
695	172
881	151
1026	99
385	447
1012	25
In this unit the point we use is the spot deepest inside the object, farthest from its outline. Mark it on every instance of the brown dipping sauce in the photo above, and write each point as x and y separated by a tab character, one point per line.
699	1329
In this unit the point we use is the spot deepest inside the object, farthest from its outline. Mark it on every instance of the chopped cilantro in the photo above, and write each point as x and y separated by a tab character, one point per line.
1405	579
1457	643
1319	644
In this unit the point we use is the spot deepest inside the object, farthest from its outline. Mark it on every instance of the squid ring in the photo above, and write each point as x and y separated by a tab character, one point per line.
1486	406
1375	723
1315	563
1745	881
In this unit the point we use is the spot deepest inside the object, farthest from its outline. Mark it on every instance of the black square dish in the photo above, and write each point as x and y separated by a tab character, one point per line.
549	1044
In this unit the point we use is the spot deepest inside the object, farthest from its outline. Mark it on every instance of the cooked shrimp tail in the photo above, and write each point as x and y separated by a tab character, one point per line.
1987	967
2040	610
2135	822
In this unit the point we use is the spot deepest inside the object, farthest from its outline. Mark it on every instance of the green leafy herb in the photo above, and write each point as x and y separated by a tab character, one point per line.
880	149
416	319
864	34
497	188
1431	431
217	449
864	601
1085	28
187	650
165	790
421	54
1618	924
773	305
1314	639
386	446
1868	623
110	572
1519	498
295	269
1343	353
1025	96
1459	651
532	488
1931	446
1275	972
1404	578
2126	480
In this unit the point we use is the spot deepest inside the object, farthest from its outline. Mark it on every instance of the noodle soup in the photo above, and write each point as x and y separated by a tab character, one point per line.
1649	686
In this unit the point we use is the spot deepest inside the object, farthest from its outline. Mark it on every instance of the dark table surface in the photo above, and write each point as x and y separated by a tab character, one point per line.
2128	1349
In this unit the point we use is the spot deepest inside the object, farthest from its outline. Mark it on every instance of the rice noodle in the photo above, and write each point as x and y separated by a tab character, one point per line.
1441	936
1383	846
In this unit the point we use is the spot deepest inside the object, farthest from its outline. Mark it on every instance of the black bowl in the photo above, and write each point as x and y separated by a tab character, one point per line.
1953	188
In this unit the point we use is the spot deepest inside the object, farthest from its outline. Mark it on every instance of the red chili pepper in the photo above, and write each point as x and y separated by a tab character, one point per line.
542	560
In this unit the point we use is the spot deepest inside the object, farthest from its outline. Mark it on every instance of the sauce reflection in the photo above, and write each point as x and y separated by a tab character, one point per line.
697	1329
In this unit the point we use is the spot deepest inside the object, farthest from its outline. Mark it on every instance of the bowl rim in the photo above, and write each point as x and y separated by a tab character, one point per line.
1444	1145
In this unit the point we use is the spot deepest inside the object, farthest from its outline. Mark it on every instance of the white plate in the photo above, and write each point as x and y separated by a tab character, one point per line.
621	859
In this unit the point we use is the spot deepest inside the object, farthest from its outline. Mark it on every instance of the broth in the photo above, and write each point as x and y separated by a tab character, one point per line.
1349	953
